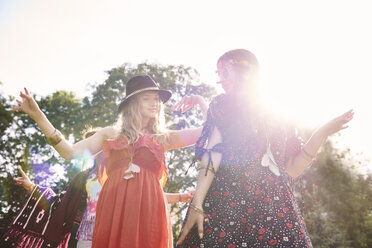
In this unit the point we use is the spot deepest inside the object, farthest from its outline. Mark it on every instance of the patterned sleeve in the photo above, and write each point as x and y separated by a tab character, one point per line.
207	129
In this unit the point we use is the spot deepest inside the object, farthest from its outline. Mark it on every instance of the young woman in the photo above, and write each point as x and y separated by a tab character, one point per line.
131	210
248	161
91	189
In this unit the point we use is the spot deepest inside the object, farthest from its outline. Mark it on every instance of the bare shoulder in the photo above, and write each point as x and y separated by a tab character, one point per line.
109	132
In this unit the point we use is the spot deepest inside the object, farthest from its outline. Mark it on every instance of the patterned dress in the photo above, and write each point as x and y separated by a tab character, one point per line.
250	202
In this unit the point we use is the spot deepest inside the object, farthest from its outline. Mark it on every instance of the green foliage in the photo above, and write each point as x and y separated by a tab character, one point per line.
338	201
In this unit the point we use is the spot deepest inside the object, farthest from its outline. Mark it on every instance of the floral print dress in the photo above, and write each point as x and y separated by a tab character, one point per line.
249	203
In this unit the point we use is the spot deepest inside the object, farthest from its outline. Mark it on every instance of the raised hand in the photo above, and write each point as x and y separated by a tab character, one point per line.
188	102
27	104
24	181
337	124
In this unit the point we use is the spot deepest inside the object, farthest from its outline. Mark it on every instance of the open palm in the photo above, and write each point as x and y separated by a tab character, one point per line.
27	104
337	124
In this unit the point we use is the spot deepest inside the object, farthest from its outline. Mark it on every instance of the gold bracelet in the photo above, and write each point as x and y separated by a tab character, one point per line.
306	155
33	185
196	209
55	138
200	211
202	167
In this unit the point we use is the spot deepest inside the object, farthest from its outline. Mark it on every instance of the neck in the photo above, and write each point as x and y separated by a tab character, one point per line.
145	123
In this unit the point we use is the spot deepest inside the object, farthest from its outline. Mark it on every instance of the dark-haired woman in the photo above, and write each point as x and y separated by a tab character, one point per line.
248	161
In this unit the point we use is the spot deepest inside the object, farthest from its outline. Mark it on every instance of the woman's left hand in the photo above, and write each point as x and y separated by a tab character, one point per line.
188	102
336	124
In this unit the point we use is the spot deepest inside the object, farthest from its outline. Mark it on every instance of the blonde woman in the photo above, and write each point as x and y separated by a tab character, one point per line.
131	210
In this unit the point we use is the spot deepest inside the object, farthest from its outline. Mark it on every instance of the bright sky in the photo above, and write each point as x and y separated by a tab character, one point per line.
315	55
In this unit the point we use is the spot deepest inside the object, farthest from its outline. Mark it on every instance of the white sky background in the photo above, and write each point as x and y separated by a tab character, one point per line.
315	56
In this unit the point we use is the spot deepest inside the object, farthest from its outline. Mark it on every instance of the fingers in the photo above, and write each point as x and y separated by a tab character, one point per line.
185	104
200	227
19	180
21	94
344	127
16	108
22	172
185	231
26	91
348	114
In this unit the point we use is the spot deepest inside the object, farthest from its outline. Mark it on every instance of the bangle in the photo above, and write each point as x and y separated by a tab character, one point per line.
202	167
200	211
33	185
179	197
307	156
196	209
55	138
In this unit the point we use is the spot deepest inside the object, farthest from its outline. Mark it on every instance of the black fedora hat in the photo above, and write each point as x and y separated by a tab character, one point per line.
139	84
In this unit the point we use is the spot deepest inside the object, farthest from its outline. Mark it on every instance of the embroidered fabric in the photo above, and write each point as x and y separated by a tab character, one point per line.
121	143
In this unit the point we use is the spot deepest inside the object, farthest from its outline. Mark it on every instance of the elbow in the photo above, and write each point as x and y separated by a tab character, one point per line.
291	170
293	174
67	157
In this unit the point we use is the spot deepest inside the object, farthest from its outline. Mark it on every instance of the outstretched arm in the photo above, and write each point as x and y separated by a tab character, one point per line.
94	143
301	161
187	137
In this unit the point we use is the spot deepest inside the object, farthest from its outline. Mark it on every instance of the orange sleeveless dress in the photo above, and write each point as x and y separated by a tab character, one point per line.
133	212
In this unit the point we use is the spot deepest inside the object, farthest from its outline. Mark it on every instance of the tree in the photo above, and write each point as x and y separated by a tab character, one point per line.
338	201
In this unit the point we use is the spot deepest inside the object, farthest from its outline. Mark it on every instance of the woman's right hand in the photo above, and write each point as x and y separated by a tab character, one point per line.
24	181
194	218
27	104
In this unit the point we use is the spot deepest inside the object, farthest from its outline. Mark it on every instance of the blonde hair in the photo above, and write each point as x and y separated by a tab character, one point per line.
130	122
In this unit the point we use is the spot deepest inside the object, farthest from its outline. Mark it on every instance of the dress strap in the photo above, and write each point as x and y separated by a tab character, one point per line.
216	148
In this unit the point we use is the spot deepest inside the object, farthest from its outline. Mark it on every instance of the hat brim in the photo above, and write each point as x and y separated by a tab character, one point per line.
164	95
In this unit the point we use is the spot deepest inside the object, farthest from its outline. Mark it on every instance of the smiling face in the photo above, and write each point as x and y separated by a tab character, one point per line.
149	104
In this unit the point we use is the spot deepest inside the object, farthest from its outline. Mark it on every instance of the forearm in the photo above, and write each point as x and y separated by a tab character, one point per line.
205	181
202	187
173	197
301	161
63	148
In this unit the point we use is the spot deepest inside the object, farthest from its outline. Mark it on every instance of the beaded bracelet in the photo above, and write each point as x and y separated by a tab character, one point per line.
55	138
